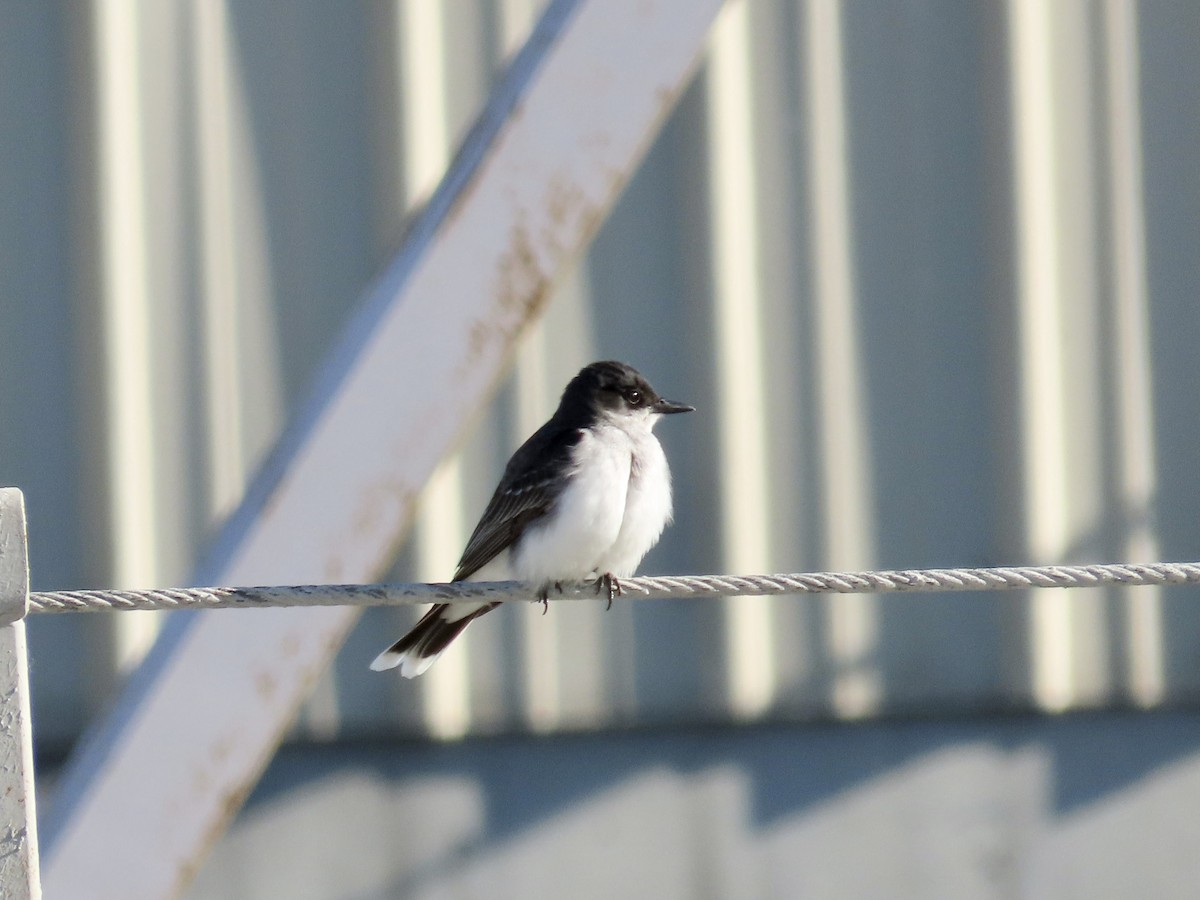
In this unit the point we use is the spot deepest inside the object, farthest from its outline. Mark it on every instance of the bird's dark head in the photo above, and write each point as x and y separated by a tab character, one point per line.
614	388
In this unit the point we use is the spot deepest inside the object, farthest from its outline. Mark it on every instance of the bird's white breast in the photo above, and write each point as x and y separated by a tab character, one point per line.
647	505
587	517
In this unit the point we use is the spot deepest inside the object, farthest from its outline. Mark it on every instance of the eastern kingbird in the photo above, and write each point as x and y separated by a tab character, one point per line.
586	496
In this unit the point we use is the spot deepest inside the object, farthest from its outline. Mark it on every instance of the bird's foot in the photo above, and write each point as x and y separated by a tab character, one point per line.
544	594
610	585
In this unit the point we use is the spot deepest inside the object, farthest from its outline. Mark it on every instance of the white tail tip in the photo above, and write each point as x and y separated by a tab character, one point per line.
386	660
410	666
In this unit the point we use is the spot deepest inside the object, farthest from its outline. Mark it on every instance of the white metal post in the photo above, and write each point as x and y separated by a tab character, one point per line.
18	814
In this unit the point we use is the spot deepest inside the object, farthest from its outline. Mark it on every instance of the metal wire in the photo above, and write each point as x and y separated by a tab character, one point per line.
644	588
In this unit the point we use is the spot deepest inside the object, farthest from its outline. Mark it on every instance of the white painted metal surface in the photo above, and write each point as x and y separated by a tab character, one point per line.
844	434
126	321
1060	316
18	812
532	183
738	298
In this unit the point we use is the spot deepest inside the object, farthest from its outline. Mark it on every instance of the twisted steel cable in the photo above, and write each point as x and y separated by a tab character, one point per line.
643	588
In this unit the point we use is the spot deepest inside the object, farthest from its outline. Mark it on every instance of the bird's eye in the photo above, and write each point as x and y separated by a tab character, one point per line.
634	398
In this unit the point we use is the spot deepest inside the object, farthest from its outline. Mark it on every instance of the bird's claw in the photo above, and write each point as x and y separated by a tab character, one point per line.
610	585
543	596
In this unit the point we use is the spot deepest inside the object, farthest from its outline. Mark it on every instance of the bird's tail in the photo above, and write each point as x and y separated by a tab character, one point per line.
417	650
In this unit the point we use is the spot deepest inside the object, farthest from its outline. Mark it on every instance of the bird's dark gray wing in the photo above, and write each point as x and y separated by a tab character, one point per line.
532	482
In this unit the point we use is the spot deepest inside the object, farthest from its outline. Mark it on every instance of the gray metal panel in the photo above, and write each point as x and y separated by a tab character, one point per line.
1170	98
920	165
41	439
308	111
318	143
1088	806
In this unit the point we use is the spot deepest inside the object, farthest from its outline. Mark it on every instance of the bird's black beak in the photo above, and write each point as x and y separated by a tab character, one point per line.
666	407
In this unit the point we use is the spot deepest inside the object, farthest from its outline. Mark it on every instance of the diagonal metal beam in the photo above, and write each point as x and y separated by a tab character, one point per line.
204	714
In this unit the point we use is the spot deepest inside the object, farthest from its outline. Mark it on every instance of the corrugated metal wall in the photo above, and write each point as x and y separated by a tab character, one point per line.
928	269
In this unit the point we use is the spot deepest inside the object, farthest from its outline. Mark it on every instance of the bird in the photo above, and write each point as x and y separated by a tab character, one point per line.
585	497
